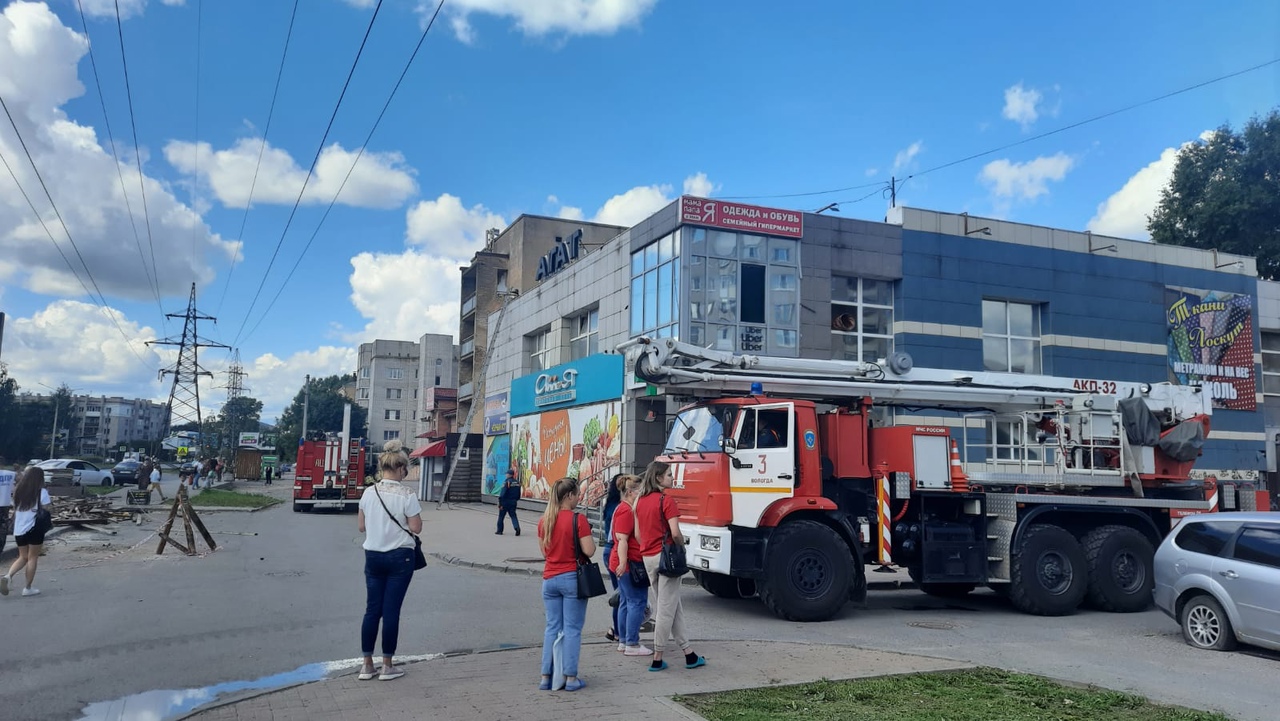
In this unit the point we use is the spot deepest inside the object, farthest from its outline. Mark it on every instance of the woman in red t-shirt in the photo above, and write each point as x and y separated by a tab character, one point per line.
626	552
656	517
560	537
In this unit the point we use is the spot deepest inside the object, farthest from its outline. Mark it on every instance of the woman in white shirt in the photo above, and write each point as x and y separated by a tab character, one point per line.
28	495
389	516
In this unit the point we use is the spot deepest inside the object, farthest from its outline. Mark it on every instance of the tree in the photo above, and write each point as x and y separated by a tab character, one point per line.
238	415
323	415
1225	195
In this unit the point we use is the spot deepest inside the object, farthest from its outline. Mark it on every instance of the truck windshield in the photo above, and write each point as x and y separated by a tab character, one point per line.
701	429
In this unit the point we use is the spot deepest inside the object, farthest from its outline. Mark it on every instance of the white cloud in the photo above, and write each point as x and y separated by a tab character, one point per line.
1022	105
362	4
403	295
627	209
40	58
1124	214
380	180
907	155
871	171
128	8
699	185
444	227
275	380
1025	181
538	18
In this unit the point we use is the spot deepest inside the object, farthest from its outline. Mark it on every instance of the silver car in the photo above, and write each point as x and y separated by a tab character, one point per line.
1218	576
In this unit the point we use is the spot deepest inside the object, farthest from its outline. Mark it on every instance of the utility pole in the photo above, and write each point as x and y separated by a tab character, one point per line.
184	394
306	403
54	435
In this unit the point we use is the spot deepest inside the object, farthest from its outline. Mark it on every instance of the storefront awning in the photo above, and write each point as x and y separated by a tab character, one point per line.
434	449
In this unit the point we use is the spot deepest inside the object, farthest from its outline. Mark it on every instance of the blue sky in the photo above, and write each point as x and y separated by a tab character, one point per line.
601	109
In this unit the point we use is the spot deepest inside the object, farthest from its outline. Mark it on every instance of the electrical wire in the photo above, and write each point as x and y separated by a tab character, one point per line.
310	171
365	144
137	149
153	283
253	184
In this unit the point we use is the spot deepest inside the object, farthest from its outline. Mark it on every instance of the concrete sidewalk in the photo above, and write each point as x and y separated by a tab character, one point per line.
503	685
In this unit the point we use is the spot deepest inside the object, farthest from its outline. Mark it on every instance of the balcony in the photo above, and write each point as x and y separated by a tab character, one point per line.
464	391
468	348
468	306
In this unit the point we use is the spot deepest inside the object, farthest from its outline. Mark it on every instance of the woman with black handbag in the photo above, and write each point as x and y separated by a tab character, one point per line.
563	535
31	520
390	517
627	565
658	526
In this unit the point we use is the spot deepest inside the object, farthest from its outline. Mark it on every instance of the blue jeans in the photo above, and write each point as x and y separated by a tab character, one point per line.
565	613
631	610
386	579
608	549
504	511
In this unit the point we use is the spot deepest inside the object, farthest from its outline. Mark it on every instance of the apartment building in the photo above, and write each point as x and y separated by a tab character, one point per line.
387	388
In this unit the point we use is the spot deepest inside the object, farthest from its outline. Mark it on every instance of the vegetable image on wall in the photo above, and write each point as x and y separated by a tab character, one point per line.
1211	343
579	443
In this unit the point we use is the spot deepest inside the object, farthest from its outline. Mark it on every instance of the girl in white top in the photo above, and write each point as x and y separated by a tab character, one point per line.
28	495
390	517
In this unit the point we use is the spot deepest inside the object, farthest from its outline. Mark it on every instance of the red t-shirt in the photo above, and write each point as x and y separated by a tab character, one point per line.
650	525
562	554
624	522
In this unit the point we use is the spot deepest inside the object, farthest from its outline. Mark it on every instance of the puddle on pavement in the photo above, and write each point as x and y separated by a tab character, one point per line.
164	704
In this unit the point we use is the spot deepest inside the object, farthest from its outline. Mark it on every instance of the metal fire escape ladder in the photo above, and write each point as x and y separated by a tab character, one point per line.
477	394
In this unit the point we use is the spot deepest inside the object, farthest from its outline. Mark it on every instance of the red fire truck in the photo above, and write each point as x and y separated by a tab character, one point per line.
329	474
791	474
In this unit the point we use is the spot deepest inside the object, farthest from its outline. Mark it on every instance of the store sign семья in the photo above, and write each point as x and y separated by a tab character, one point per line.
745	218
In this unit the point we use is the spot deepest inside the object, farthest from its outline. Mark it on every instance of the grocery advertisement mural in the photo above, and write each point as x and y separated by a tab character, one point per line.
1211	342
579	442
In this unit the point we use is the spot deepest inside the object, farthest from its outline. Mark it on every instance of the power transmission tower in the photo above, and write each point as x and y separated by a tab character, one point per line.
235	389
184	395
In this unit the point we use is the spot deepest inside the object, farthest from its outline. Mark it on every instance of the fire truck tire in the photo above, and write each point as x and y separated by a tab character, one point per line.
723	586
1121	572
807	573
941	590
300	508
1049	576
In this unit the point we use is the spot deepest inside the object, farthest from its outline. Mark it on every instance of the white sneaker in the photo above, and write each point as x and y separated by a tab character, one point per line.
638	651
31	592
4	585
622	646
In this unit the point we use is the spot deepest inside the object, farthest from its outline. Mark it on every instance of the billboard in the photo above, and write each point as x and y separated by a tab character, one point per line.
584	381
260	441
737	216
580	443
497	415
1211	343
497	459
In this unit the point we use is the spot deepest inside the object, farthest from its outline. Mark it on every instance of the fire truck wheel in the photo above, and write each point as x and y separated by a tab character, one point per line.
1049	576
300	508
723	586
1121	575
807	572
941	590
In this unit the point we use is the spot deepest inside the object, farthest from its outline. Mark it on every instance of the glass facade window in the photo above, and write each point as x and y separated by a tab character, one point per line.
391	414
655	288
586	335
395	374
1010	336
540	348
1271	363
861	318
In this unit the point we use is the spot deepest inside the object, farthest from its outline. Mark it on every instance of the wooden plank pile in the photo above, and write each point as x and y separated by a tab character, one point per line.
86	510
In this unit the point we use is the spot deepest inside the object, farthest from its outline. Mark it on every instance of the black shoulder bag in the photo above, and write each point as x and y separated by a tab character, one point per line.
672	563
44	519
590	582
419	558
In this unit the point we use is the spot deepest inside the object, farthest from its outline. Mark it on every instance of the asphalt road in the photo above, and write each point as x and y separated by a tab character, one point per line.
285	590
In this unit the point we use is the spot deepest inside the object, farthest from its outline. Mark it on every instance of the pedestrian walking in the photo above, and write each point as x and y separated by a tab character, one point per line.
390	517
613	496
562	532
195	476
155	481
626	556
657	518
7	480
268	474
507	499
29	495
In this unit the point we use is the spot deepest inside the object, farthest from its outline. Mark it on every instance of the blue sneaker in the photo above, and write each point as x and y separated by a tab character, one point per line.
702	661
545	685
575	685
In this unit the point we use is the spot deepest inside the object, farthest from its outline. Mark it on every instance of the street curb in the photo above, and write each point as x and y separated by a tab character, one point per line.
687	580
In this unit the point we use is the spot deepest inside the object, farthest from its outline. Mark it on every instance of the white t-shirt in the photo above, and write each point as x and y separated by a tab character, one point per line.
380	532
7	479
24	521
155	475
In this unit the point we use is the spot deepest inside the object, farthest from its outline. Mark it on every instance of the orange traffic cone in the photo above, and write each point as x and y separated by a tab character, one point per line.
959	481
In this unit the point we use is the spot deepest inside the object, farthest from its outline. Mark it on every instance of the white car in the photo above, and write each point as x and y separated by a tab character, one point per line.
83	473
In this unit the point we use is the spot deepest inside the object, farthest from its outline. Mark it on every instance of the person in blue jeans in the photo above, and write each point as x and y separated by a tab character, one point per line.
390	516
626	552
561	533
613	496
508	497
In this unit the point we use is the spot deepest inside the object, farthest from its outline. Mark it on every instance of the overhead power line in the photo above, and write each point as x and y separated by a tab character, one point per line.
347	177
253	184
154	283
1033	138
310	171
137	149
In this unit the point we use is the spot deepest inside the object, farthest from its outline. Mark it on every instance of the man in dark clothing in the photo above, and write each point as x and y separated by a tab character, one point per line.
507	502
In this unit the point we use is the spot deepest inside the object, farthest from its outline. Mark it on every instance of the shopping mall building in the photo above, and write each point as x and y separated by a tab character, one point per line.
953	291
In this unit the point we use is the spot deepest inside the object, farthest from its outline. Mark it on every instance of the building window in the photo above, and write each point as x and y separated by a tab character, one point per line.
364	394
394	394
364	372
1271	363
390	435
1010	336
391	414
861	319
586	335
540	348
655	288
395	374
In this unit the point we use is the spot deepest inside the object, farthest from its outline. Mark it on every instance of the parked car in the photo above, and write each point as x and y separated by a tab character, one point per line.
187	469
286	468
83	473
126	472
1218	576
